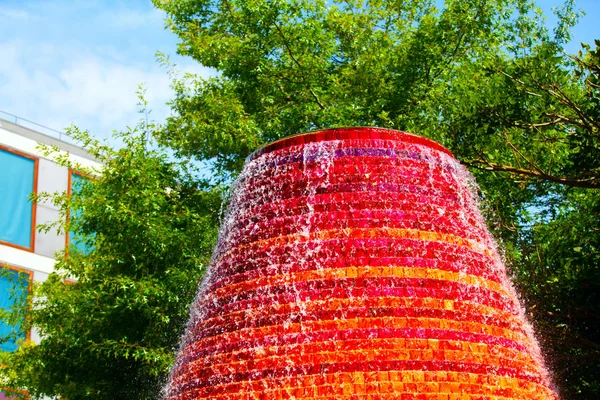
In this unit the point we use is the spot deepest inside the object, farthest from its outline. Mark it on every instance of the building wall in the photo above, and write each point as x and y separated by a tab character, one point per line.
51	177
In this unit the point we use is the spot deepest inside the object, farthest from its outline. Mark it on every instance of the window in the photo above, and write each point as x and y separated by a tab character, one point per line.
14	286
8	394
18	179
76	182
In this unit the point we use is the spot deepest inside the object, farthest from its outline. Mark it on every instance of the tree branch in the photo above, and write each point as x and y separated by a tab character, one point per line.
541	124
291	54
485	165
584	122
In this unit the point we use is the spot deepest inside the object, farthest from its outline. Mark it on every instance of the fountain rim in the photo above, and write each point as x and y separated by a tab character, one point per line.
347	133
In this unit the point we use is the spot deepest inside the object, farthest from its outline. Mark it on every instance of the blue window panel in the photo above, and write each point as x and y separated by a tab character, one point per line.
13	287
77	181
16	213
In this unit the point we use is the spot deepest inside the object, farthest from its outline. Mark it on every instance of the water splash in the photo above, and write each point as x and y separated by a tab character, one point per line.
352	264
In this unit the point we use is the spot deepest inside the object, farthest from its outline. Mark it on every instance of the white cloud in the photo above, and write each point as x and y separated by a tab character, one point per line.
86	89
56	73
14	14
131	19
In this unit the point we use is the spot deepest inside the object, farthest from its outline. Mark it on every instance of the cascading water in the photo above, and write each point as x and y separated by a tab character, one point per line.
354	264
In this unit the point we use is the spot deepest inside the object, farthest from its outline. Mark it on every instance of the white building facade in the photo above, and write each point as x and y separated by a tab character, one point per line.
25	253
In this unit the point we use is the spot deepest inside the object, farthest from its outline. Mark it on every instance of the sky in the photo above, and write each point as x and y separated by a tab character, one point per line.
80	62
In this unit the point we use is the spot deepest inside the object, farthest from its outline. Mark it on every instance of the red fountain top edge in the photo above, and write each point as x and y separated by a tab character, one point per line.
347	133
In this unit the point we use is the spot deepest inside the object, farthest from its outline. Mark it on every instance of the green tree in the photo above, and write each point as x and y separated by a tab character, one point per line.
486	78
111	316
559	275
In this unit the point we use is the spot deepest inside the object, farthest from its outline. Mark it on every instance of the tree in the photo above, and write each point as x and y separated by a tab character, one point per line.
483	77
111	316
559	275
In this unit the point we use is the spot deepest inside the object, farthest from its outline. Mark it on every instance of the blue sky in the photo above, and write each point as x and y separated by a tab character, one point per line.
80	61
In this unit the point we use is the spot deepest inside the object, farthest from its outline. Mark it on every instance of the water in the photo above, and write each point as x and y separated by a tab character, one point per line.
357	265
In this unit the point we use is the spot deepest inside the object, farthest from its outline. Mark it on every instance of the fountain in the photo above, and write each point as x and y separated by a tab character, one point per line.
354	264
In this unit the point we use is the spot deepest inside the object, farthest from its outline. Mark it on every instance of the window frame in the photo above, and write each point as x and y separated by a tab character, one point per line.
35	159
29	287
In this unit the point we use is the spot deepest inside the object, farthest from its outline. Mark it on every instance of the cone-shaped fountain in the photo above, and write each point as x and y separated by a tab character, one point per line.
354	264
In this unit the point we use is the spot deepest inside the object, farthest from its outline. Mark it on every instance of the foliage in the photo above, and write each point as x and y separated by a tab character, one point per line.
485	78
110	318
559	275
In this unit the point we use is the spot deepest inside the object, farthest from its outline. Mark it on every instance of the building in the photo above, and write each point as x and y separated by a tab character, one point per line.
25	253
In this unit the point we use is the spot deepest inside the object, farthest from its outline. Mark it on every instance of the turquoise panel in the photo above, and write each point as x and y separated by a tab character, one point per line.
16	185
13	287
77	181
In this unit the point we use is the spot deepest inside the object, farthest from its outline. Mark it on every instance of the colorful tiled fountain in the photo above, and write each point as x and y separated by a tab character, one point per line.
354	264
